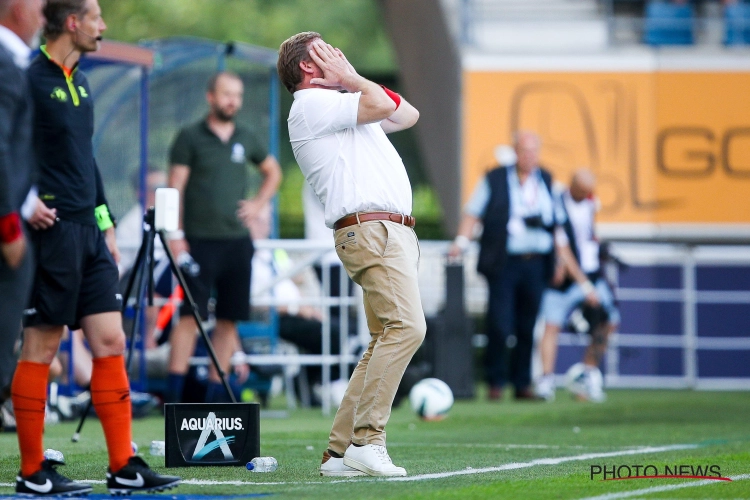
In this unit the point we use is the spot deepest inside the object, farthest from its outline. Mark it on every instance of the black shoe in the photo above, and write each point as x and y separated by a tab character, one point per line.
49	483
137	476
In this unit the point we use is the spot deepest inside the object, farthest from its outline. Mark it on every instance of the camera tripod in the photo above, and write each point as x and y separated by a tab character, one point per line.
143	272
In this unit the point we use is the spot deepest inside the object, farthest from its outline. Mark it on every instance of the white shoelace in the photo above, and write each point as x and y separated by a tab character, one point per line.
383	454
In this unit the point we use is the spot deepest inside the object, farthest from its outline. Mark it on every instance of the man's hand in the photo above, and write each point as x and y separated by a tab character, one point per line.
455	251
248	210
178	246
13	252
242	372
310	312
109	237
43	217
338	73
592	297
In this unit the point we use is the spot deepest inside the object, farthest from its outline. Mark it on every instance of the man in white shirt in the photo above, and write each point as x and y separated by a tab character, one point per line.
579	280
337	126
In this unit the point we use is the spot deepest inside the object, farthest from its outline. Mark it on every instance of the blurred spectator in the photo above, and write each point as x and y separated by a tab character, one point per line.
316	230
300	324
209	166
129	230
578	281
669	23
129	234
515	206
20	22
737	22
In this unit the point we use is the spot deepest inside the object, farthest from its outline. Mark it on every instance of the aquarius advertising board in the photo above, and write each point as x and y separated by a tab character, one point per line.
211	434
669	140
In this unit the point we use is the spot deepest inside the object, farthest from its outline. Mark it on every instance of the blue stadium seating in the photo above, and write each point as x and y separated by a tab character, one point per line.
737	24
668	24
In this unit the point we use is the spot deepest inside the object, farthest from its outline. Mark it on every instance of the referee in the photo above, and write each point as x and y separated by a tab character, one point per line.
76	281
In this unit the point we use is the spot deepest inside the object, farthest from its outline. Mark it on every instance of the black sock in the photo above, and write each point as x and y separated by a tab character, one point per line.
358	445
334	454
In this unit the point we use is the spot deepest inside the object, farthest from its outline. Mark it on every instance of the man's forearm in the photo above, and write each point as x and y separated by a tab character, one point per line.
271	171
571	265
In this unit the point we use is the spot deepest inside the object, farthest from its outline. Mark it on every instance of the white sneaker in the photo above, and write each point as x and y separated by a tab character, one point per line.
334	467
372	459
545	387
594	384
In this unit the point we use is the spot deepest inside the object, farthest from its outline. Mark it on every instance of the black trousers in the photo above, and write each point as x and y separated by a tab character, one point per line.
514	299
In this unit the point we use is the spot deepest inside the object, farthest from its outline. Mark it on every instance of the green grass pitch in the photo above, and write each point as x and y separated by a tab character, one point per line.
482	450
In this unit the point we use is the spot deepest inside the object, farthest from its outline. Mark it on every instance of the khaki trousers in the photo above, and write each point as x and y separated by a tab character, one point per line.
382	257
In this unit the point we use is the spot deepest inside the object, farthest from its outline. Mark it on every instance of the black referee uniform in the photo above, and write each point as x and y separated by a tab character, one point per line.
76	275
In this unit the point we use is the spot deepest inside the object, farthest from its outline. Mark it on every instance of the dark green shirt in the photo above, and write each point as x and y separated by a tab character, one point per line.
219	179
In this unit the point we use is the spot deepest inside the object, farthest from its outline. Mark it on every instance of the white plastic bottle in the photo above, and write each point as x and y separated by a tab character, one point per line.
262	464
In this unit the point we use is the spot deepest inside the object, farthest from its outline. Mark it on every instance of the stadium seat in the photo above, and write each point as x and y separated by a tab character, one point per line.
668	24
737	24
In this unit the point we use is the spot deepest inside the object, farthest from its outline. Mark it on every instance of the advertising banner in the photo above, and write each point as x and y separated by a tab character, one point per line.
670	144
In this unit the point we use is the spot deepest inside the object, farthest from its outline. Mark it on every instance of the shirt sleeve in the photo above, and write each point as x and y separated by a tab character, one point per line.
182	151
558	207
327	112
7	104
101	198
477	204
256	152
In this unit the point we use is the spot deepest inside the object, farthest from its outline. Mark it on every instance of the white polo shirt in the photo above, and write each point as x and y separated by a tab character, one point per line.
351	168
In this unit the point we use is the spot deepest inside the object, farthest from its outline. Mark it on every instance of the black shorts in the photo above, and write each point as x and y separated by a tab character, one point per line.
75	276
224	275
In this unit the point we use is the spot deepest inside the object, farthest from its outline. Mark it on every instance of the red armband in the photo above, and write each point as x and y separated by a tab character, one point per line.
394	96
10	228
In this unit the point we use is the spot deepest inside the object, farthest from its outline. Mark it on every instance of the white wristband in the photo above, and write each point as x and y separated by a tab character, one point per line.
588	287
177	235
462	242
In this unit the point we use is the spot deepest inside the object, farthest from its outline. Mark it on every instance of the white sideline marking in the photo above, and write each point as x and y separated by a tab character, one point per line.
669	487
441	475
546	461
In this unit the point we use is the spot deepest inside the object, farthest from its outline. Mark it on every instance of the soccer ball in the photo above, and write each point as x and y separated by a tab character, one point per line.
575	378
585	383
431	399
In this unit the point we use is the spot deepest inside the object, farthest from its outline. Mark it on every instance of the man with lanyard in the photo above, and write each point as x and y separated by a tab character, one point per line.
209	166
579	279
20	24
337	126
515	206
76	282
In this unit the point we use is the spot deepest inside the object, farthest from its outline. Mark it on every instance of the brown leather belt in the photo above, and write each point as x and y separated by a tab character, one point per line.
350	220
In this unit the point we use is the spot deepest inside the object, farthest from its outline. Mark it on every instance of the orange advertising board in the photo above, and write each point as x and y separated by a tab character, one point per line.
667	146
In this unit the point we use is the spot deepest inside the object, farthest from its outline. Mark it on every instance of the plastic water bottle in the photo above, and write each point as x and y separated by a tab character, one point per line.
51	454
157	448
262	464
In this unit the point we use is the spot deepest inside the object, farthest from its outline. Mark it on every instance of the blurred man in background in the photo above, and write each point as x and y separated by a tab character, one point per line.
578	280
20	23
76	280
337	127
516	207
209	167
